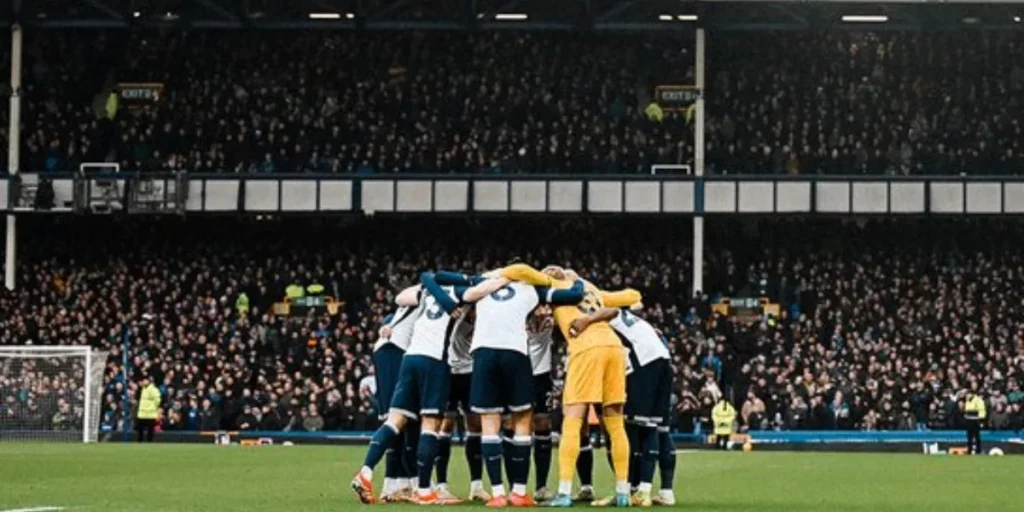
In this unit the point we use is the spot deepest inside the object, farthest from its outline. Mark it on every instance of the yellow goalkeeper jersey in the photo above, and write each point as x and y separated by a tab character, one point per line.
599	334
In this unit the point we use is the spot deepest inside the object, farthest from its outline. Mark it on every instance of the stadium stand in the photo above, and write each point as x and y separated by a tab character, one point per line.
881	327
517	102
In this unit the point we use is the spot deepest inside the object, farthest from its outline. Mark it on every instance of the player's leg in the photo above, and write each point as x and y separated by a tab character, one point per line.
585	466
613	384
426	456
651	409
666	447
387	363
435	383
383	439
666	466
404	401
582	387
542	444
485	400
474	459
444	454
646	463
635	412
490	451
522	442
507	433
410	449
518	378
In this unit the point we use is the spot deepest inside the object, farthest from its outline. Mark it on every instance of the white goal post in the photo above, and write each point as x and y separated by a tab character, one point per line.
50	393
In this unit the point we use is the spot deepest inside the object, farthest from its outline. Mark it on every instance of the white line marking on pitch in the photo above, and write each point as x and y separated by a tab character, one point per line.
36	509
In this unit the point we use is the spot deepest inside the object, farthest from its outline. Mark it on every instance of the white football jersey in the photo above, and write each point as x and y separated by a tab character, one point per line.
501	318
401	328
430	331
641	336
460	358
540	351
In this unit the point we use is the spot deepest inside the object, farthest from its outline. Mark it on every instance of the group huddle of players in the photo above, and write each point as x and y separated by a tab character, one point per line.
479	347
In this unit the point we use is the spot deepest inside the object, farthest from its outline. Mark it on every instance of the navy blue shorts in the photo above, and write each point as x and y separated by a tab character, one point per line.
387	363
649	393
502	382
423	385
458	395
542	387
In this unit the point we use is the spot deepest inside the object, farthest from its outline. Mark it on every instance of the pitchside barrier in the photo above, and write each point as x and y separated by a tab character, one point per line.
662	193
930	442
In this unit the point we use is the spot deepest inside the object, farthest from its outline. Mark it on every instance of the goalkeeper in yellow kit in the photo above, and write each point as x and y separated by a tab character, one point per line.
595	374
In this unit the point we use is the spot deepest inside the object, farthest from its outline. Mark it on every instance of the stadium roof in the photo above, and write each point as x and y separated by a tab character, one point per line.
623	15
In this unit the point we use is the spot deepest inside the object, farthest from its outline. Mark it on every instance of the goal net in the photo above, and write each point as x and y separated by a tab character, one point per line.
50	393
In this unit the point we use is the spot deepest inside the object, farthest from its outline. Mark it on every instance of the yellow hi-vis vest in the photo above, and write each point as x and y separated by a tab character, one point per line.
975	409
149	404
723	415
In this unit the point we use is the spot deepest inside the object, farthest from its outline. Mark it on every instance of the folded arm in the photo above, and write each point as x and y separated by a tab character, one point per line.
602	315
443	299
409	297
484	288
526	274
449	278
620	299
563	297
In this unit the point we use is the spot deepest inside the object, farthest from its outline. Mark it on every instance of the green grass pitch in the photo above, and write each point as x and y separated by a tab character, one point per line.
115	477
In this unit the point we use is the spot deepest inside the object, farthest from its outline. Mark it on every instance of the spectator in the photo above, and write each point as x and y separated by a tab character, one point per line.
882	311
845	102
311	420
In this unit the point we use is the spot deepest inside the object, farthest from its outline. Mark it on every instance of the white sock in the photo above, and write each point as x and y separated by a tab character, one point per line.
645	487
424	492
519	489
442	487
476	485
622	487
497	490
667	494
584	487
403	483
565	488
389	485
366	472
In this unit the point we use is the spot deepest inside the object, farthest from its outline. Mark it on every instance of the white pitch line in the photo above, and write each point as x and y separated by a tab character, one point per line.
36	509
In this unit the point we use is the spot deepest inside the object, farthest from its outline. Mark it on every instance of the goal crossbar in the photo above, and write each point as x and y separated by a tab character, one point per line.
45	348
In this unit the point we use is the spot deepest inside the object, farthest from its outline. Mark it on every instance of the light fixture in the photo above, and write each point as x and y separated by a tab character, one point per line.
865	18
511	16
324	16
687	17
136	14
1016	19
665	17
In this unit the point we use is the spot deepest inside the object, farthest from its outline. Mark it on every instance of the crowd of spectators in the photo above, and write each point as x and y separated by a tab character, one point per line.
513	102
883	326
42	394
